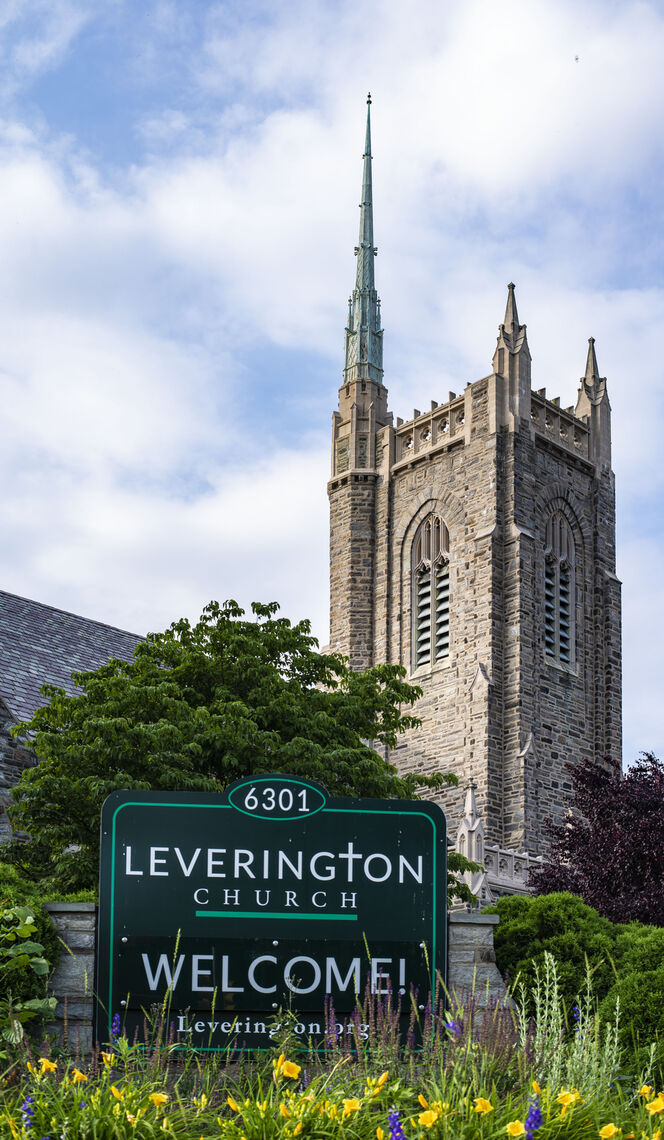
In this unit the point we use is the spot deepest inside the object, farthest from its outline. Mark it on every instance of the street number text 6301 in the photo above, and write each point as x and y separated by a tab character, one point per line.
270	798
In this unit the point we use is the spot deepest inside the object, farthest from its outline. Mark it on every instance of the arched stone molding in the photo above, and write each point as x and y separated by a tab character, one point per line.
448	507
559	497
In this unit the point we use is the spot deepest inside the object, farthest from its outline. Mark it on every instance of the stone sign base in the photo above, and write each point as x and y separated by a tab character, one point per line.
471	967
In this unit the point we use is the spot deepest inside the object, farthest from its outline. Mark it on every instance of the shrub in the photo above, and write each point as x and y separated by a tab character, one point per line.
562	925
17	891
639	947
22	965
641	996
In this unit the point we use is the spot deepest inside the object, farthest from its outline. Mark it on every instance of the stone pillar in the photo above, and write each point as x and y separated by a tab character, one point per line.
74	976
471	959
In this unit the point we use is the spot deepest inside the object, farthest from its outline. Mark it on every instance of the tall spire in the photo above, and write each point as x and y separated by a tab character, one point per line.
365	251
364	336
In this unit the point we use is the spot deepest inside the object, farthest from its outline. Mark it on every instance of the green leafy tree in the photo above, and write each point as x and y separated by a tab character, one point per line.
199	707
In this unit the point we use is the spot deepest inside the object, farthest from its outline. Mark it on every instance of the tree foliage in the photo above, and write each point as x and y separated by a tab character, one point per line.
199	707
610	852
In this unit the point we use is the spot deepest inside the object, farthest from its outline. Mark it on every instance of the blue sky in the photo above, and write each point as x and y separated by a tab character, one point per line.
178	210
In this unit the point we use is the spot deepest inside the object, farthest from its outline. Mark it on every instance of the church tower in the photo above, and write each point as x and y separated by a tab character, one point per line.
474	544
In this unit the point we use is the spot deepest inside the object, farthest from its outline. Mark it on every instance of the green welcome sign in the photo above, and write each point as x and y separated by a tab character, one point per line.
273	895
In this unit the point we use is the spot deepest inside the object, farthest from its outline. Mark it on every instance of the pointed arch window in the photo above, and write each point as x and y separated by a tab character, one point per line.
431	592
559	591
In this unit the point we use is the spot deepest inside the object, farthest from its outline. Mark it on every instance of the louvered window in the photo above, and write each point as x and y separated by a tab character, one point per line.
431	592
559	588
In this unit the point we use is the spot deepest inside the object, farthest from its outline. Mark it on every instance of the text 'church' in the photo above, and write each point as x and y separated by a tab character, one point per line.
474	544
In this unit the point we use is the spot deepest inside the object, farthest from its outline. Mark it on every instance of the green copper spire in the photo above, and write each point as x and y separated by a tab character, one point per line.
364	337
365	251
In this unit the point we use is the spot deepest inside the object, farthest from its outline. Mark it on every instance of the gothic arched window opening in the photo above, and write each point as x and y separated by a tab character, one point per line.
431	592
559	591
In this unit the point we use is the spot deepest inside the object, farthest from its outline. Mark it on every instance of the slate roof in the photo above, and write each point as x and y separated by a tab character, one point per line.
41	645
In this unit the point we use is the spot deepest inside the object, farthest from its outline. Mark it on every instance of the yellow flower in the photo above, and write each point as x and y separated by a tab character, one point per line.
428	1118
46	1065
657	1105
78	1076
382	1078
232	1103
566	1098
351	1104
290	1069
107	1058
609	1131
482	1105
645	1091
298	1128
423	1101
116	1092
158	1099
380	1135
31	1069
536	1089
279	1062
333	1112
515	1128
284	1111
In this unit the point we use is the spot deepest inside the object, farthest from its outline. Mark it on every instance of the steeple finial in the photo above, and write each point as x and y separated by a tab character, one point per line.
364	336
511	316
592	376
593	405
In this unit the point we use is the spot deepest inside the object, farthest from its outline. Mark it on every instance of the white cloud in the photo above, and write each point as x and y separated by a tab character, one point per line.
146	456
34	36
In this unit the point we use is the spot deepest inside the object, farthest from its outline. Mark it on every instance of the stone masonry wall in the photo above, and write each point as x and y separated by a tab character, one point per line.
74	976
457	482
352	544
497	710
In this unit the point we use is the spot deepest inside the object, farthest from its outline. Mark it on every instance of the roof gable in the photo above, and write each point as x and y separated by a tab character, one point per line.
42	645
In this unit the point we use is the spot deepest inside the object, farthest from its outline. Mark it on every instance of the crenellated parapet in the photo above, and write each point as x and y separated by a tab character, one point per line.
560	426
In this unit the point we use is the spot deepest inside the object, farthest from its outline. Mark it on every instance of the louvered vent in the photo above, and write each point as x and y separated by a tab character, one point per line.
442	611
559	579
423	626
550	609
565	615
431	592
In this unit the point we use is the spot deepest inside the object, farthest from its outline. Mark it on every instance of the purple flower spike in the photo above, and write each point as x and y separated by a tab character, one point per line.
28	1112
533	1119
396	1127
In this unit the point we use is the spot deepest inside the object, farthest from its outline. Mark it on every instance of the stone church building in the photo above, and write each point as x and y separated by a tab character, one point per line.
474	544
